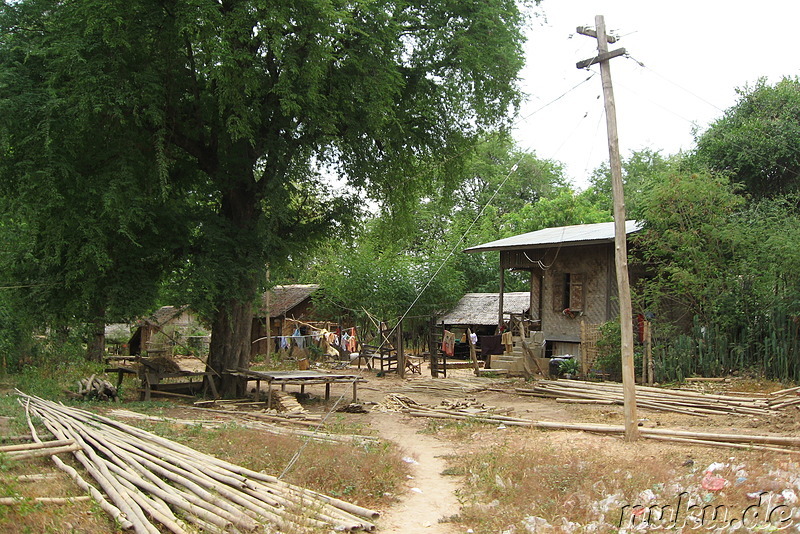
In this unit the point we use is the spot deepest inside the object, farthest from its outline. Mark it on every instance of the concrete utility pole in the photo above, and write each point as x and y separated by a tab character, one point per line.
620	234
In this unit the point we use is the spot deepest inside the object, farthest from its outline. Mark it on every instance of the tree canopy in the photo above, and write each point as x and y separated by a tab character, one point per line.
237	107
757	141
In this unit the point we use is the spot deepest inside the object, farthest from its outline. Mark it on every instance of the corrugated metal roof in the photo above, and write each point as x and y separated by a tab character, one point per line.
580	234
481	308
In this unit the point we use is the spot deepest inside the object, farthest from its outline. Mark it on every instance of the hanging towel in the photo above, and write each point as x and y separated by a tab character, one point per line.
449	343
299	339
508	341
491	345
352	341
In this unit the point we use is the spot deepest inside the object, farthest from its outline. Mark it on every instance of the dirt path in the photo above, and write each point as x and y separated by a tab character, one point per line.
429	496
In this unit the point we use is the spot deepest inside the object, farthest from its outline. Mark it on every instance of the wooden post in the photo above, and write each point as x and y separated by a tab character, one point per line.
401	356
433	348
533	282
472	353
648	352
500	300
620	233
268	318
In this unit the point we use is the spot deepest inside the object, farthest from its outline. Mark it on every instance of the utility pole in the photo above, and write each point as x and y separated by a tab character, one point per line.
620	235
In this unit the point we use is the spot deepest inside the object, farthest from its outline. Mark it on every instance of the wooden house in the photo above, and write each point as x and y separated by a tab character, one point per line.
166	327
572	280
279	308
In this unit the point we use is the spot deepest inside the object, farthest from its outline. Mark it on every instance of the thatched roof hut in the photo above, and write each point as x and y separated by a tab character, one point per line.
481	309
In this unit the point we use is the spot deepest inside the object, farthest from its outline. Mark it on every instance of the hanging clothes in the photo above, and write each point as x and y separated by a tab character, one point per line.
299	339
449	343
352	342
508	341
283	342
491	345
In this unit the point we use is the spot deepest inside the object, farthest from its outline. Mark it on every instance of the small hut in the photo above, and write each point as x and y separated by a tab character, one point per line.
281	308
166	327
479	311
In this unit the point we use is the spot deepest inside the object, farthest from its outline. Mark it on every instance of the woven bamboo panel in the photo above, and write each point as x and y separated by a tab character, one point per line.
590	334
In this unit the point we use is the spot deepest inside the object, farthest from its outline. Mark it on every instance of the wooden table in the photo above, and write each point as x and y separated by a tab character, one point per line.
301	378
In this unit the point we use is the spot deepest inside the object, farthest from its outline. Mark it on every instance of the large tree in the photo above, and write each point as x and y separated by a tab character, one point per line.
757	141
84	214
242	103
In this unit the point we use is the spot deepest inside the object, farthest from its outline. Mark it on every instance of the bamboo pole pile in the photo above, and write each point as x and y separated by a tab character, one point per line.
666	400
94	388
782	444
25	451
784	398
453	386
149	479
242	420
466	410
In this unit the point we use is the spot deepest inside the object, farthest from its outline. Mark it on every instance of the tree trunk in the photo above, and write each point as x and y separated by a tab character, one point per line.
96	345
233	320
230	345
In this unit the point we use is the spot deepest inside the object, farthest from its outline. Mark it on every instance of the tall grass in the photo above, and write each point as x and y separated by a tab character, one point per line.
768	346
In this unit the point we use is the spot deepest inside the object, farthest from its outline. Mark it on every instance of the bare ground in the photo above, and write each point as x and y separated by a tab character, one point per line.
430	497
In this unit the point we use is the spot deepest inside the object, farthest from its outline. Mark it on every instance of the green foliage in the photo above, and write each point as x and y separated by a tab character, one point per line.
386	282
609	351
50	366
191	138
721	282
640	169
570	366
689	236
564	208
757	141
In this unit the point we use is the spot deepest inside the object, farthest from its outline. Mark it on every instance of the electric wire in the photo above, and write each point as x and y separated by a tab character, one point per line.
293	460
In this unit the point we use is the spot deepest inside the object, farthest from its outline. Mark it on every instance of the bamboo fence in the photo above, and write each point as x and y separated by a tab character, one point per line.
149	480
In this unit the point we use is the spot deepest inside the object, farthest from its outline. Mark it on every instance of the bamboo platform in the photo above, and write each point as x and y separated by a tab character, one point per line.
301	378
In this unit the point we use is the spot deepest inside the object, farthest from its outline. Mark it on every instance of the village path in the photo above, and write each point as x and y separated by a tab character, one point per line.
429	496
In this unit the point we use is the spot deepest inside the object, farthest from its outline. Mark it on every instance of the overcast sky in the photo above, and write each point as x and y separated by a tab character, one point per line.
695	54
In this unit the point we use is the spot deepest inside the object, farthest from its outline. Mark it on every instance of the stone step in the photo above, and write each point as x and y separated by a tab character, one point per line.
498	371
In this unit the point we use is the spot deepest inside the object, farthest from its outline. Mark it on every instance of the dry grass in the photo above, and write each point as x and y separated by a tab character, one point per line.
362	474
573	482
29	517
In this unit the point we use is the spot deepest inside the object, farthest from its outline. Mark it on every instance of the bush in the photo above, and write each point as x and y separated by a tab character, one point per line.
609	350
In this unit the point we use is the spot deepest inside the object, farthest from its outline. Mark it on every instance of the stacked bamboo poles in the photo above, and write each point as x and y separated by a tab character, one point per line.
148	477
782	444
784	398
243	419
25	451
737	441
401	403
667	400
